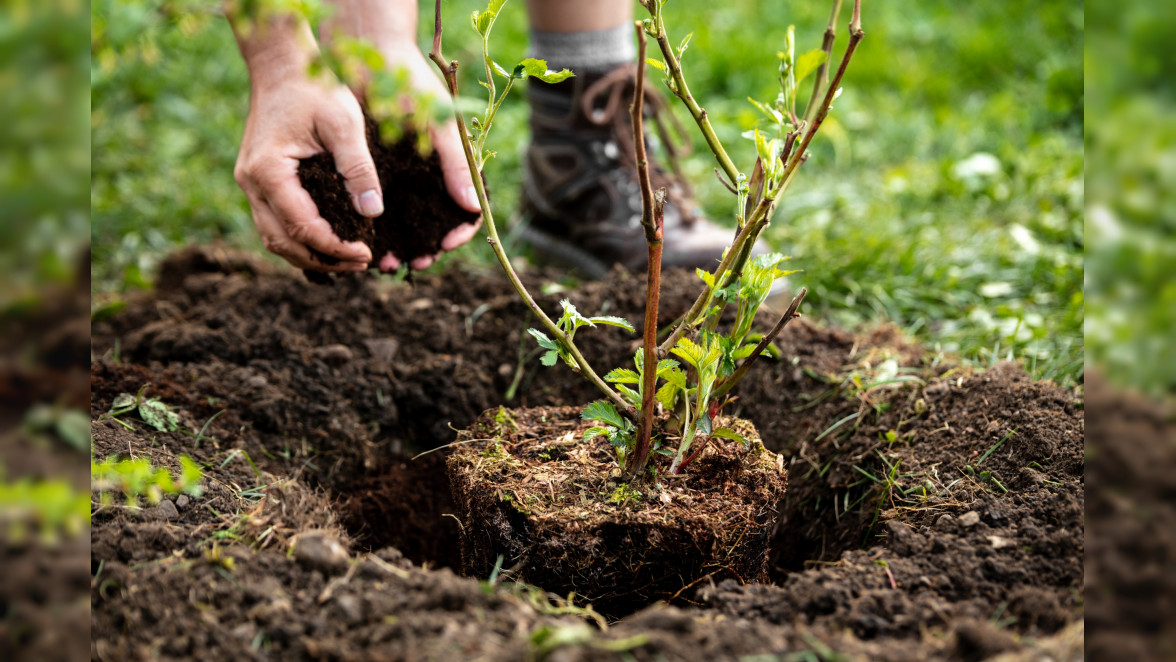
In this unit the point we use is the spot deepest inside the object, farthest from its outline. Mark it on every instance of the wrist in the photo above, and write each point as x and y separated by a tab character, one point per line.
275	49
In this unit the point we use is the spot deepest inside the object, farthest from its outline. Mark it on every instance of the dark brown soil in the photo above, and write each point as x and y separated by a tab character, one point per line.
551	509
328	389
44	578
418	210
1132	526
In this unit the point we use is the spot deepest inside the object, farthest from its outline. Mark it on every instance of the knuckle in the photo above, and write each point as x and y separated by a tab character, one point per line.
360	170
276	245
300	232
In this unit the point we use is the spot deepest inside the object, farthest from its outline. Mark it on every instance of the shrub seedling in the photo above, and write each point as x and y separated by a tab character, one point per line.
697	364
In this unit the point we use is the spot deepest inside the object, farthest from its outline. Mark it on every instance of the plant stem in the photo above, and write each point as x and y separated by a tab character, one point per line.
652	216
791	313
682	91
449	73
822	76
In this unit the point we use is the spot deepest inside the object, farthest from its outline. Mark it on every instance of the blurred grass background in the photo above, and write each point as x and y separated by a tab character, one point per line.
947	196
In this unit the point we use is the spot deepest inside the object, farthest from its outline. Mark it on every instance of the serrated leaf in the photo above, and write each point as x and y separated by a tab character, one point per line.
675	376
667	394
594	432
611	320
542	339
655	63
728	433
604	412
809	62
704	424
665	365
549	358
707	277
158	415
622	376
632	396
538	69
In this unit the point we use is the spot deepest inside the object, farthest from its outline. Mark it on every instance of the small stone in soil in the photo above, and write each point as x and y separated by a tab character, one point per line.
182	501
350	608
321	551
970	519
166	510
336	354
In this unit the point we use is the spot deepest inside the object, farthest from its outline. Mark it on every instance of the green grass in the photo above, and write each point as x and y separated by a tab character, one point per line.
891	220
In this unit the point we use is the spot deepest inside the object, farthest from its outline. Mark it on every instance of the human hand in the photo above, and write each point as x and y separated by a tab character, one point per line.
447	143
293	116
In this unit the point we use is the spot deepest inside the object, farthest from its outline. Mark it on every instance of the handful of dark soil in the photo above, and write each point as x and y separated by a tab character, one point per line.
418	210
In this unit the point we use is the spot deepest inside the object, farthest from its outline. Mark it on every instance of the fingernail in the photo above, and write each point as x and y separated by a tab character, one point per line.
371	204
470	195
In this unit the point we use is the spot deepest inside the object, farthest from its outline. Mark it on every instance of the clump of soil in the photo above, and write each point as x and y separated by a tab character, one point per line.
536	499
418	210
331	390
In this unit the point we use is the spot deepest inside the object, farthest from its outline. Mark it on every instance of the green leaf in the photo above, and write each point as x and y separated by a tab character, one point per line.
549	358
158	415
685	42
622	376
667	394
772	113
665	365
611	320
704	424
595	431
538	69
73	427
543	340
743	352
604	412
123	402
728	433
675	376
809	62
655	63
498	69
707	277
190	475
630	395
484	20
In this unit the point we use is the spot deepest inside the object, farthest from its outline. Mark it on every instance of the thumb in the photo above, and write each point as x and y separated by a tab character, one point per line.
348	144
456	171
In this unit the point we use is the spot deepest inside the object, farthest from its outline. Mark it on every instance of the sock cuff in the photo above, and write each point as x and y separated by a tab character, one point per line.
587	51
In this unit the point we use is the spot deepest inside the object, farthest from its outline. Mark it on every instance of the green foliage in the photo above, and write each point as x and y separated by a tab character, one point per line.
69	425
569	322
137	478
48	509
617	429
150	410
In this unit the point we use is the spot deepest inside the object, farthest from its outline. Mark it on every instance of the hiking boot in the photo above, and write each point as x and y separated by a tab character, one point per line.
580	190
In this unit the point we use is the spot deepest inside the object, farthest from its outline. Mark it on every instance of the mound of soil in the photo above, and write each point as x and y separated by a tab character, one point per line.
418	210
536	499
915	525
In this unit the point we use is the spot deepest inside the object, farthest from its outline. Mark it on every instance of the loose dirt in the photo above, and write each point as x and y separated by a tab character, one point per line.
553	510
933	512
418	211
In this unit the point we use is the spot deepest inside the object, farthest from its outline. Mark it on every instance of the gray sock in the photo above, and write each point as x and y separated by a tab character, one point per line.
585	52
